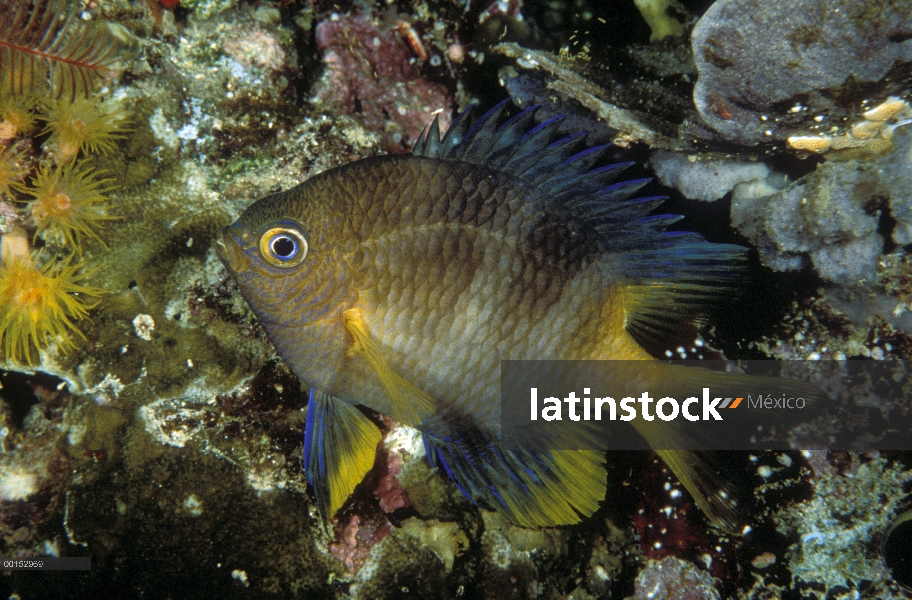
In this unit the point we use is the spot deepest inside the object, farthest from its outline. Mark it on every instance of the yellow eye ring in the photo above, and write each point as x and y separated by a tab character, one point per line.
283	247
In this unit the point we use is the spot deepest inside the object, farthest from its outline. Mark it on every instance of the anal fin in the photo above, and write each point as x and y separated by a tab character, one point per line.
532	487
339	448
410	405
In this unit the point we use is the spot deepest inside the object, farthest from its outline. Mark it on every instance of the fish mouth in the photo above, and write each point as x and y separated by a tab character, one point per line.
230	252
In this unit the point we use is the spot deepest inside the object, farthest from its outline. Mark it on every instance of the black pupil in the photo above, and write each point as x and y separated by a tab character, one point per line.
284	247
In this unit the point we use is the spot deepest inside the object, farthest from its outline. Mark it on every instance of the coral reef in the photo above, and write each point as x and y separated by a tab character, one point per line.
161	436
872	133
896	184
833	531
704	176
826	217
370	73
33	476
52	62
674	578
628	124
831	217
401	566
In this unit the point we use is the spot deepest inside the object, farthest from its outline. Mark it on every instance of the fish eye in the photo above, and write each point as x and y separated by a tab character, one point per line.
283	246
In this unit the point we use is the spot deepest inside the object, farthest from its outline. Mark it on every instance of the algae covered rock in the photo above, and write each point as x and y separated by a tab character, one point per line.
855	498
674	578
896	174
401	567
825	218
758	59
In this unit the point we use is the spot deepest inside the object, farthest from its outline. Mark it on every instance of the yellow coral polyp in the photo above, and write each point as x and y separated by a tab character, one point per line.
69	202
83	125
15	115
13	168
38	307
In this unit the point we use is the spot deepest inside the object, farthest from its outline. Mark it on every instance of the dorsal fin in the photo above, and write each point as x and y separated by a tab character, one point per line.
561	169
667	276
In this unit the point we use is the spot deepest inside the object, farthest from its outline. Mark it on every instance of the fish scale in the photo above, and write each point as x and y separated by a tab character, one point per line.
430	248
401	282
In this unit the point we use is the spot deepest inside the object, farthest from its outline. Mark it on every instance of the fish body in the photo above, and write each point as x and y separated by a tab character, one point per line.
449	287
401	282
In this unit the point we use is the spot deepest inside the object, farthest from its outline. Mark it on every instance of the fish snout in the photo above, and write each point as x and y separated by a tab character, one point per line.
230	252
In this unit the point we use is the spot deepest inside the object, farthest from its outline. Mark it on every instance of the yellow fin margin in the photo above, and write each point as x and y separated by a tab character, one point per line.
572	483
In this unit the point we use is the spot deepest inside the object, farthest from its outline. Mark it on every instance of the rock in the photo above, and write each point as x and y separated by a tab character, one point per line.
824	219
674	578
767	67
370	73
704	176
401	567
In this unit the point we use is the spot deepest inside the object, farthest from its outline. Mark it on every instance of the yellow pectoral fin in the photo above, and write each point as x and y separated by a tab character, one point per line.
410	405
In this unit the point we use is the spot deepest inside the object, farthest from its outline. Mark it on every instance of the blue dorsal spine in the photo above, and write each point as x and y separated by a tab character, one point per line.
562	169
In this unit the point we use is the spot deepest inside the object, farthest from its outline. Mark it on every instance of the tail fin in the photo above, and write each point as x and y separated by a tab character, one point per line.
701	473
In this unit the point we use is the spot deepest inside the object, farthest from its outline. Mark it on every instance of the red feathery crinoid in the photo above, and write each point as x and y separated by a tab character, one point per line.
69	202
83	125
38	306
